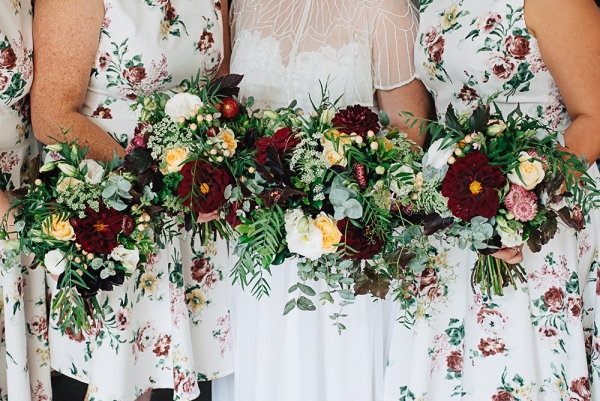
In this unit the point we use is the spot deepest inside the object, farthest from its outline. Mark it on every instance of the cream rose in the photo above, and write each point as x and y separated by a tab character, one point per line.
67	182
59	229
402	187
335	153
94	171
55	262
436	157
173	160
227	136
532	172
129	258
180	105
333	156
331	234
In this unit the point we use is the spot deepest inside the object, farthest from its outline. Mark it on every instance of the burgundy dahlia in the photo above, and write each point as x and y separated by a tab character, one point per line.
356	119
471	186
127	224
97	231
366	246
203	186
284	141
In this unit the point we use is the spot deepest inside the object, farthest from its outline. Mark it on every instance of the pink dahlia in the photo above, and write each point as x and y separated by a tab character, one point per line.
521	203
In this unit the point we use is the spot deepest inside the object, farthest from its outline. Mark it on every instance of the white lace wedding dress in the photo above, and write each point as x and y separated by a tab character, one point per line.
285	49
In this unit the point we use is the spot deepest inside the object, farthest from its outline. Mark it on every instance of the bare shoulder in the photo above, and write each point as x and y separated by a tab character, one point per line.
66	36
561	17
65	12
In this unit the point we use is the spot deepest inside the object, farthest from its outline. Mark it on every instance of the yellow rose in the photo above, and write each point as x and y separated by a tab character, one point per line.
59	229
228	137
335	153
532	172
331	234
333	156
67	182
173	160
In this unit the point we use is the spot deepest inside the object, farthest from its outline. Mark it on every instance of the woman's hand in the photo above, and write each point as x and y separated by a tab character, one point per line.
512	255
206	217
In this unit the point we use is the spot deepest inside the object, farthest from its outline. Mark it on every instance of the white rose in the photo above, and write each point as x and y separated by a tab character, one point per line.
404	186
307	240
94	171
180	106
510	238
67	182
436	157
292	217
129	258
55	262
532	172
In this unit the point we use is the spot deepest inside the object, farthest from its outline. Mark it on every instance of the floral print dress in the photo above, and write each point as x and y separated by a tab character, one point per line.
24	352
168	326
540	341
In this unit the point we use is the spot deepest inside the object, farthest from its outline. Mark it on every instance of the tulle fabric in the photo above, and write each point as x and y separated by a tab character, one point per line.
287	48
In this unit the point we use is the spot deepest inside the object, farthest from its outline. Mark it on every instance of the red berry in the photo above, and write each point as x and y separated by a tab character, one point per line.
230	107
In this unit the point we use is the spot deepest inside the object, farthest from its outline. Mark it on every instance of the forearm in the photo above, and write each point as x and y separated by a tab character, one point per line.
50	128
583	137
412	98
4	206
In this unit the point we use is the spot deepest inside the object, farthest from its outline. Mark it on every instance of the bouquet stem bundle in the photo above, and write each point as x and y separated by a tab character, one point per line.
493	274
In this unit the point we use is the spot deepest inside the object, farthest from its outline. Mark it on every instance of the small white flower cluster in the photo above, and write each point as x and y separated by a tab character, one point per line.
167	135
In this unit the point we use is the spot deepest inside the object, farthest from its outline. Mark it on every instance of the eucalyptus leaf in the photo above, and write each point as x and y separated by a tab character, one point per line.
305	304
326	297
289	307
353	209
306	289
338	196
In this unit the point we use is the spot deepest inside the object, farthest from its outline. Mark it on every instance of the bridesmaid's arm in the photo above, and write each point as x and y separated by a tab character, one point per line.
569	38
66	35
224	68
412	97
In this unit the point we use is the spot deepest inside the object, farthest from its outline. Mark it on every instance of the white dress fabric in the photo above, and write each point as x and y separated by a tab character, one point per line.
168	326
24	352
284	48
539	342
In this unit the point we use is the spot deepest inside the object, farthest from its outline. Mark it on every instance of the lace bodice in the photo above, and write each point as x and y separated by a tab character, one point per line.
285	47
469	50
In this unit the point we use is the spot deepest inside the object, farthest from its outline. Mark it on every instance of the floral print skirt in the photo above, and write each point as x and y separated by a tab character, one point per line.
24	351
538	342
166	327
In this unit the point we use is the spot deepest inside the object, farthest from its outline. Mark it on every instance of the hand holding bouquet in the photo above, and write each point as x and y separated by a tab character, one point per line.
84	224
504	179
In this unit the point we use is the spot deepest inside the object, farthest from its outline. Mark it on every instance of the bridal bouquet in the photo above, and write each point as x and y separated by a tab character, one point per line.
181	148
330	189
83	223
504	181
